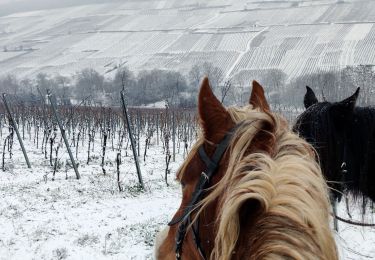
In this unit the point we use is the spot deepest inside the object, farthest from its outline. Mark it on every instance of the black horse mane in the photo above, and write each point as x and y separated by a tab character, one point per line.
361	147
345	142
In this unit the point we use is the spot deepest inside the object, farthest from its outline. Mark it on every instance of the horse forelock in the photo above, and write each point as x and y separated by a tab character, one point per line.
316	126
272	175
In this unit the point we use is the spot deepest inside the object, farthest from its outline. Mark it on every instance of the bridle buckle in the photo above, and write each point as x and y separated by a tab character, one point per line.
205	176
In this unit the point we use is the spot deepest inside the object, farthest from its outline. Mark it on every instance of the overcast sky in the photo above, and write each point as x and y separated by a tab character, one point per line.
4	1
13	6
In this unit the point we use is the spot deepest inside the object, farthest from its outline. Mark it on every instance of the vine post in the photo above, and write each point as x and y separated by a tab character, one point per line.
13	122
174	135
126	118
63	134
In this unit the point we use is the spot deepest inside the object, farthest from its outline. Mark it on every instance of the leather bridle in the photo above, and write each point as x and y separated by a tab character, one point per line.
184	220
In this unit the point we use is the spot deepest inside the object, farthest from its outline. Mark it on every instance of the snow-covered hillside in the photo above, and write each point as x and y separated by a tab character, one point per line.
240	36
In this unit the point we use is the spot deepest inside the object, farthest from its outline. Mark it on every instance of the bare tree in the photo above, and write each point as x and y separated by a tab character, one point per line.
215	74
361	76
274	80
62	88
9	84
89	81
195	76
224	89
198	71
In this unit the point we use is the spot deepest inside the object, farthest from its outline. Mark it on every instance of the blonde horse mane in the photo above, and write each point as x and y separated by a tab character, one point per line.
291	217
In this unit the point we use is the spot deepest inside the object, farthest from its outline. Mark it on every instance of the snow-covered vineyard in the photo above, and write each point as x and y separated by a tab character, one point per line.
238	36
47	215
56	216
108	208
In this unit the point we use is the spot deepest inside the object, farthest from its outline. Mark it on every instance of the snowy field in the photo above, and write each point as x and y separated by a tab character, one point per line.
87	218
90	219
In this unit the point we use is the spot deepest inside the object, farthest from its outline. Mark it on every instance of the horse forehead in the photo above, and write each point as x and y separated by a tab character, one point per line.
320	107
191	168
314	113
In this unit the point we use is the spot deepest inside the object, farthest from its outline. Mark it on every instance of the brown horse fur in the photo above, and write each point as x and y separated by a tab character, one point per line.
268	199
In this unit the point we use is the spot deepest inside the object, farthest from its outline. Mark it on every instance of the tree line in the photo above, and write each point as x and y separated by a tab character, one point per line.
147	87
180	90
336	85
328	85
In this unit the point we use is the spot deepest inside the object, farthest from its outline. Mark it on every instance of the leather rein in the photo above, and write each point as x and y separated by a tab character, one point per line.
184	220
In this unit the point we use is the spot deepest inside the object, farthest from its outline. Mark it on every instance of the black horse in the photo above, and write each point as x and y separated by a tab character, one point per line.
344	137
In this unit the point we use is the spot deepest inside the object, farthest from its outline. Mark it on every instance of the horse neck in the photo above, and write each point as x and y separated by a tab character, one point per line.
264	222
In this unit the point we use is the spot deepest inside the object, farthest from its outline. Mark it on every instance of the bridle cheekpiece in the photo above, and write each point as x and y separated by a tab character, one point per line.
184	220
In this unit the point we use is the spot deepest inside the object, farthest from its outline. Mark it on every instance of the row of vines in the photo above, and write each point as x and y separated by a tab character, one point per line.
94	135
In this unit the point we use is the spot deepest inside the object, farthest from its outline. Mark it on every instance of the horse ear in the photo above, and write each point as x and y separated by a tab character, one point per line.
342	110
348	103
214	118
257	97
310	98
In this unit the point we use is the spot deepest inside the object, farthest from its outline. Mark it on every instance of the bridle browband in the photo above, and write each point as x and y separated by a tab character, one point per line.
184	220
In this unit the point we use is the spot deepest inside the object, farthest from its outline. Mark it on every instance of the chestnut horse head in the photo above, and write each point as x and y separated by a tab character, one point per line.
251	189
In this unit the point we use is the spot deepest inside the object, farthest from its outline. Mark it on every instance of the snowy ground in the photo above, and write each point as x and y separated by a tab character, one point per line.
87	218
356	242
90	219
